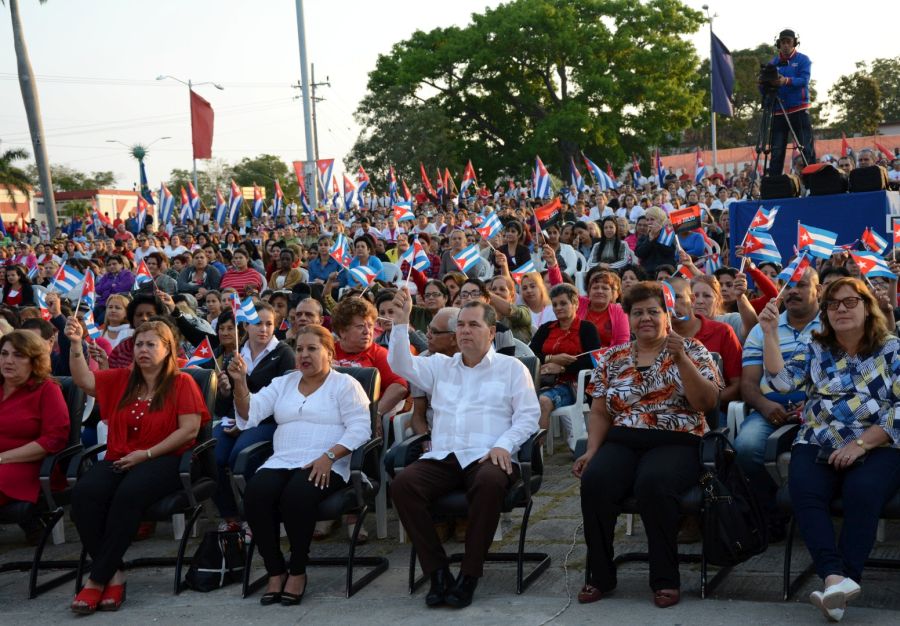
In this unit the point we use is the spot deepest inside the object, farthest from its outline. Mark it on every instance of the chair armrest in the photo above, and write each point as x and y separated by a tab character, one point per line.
187	463
80	460
779	442
358	464
49	465
246	461
530	455
405	453
358	456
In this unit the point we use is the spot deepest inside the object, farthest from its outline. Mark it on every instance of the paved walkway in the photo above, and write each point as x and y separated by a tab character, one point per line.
750	595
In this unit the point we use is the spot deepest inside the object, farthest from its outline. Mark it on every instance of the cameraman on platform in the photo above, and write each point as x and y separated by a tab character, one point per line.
792	84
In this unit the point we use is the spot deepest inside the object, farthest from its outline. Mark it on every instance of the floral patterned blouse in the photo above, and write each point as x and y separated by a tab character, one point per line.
654	397
846	394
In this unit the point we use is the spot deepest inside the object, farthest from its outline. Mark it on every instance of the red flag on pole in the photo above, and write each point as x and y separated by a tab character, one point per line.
845	146
887	154
426	184
201	126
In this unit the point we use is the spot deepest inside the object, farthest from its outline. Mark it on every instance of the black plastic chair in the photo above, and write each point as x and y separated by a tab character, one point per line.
357	498
777	459
49	507
198	479
519	496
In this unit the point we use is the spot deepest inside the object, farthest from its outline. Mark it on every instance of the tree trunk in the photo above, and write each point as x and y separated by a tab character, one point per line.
33	112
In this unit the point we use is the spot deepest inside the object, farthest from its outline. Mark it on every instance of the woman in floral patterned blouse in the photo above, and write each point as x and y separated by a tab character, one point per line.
643	436
849	443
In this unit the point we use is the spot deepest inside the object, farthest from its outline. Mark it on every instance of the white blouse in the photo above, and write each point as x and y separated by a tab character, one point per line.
335	413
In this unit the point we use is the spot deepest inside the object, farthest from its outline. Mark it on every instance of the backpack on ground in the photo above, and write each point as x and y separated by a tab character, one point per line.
218	561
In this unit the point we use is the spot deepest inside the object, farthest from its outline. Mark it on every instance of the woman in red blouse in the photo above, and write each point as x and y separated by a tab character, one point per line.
241	276
34	420
154	413
17	289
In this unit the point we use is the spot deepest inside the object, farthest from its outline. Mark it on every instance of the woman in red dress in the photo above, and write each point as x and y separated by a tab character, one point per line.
154	413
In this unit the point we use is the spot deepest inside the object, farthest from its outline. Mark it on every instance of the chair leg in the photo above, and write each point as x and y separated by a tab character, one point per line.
412	568
248	586
34	589
182	546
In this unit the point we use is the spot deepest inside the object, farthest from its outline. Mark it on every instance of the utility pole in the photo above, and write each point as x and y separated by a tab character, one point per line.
712	114
314	99
307	108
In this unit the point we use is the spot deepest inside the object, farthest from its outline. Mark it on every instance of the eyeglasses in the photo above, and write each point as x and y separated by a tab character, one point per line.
849	303
431	330
465	295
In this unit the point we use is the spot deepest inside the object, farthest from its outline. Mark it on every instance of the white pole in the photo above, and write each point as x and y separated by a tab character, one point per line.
712	113
307	109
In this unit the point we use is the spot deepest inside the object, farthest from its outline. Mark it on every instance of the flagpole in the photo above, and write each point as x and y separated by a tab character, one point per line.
712	112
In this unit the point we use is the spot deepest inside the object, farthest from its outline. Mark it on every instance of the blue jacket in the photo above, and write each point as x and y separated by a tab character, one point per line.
794	95
692	243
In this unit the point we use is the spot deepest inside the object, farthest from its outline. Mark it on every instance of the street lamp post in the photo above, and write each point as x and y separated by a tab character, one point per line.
712	114
190	86
139	152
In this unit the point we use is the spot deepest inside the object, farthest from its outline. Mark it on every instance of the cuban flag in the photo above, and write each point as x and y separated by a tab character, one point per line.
142	275
166	204
764	218
873	241
235	200
519	273
415	255
221	208
577	178
142	208
243	311
66	279
91	324
304	201
426	184
666	236
258	201
392	184
88	290
362	275
440	191
793	273
541	180
669	297
195	199
41	302
468	178
186	213
340	250
635	170
335	193
406	193
467	258
490	227
596	354
686	272
700	168
817	241
362	181
278	200
660	170
33	272
872	265
285	325
600	177
403	211
202	354
349	192
759	246
325	167
712	263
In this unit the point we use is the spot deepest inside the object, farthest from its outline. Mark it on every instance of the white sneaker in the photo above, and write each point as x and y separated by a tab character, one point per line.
837	596
833	615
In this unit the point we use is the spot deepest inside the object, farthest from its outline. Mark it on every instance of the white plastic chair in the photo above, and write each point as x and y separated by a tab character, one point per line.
571	417
737	413
392	273
522	348
579	283
484	270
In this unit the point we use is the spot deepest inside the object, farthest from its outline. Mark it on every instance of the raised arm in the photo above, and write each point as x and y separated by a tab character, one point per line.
81	373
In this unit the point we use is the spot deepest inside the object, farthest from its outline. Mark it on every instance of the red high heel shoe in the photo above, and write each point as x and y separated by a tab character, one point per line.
112	598
85	603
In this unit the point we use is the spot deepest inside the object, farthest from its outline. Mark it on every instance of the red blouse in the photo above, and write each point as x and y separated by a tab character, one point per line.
373	356
135	427
35	413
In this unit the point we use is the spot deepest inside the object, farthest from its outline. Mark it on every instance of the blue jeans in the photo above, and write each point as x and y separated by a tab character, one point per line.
750	445
864	490
560	395
227	450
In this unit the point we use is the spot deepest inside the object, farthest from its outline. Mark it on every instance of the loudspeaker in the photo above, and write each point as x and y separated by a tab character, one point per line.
871	178
823	179
782	186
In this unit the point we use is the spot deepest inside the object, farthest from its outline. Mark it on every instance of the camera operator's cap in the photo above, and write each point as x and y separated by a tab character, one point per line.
787	32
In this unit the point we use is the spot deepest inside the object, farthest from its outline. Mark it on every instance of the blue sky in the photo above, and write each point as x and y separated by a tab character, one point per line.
97	61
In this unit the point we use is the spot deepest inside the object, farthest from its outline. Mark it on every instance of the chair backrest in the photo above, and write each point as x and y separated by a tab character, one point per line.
522	348
713	415
484	269
75	399
370	379
391	271
533	365
581	264
208	383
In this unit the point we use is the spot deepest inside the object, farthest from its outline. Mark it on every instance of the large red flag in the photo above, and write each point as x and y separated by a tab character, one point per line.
201	126
845	145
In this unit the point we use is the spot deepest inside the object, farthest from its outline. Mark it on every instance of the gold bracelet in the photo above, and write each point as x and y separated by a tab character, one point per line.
246	395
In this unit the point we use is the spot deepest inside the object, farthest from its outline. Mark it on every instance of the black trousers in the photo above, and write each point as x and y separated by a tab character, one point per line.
656	475
108	506
276	496
781	135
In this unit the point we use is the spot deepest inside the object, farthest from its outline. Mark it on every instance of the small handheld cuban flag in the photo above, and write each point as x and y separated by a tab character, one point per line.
596	354
467	258
142	208
666	236
90	323
764	218
817	241
897	234
872	265
415	255
873	241
285	325
519	273
33	273
243	311
793	273
258	201
41	302
669	296
362	275
142	275
202	354
686	272
66	279
403	211
490	227
759	246
712	263
340	250
278	200
88	290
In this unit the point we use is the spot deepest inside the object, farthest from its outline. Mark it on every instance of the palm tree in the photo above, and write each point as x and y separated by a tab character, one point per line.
14	178
33	112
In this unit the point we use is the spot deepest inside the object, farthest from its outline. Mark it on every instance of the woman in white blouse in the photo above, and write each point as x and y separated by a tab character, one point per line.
322	416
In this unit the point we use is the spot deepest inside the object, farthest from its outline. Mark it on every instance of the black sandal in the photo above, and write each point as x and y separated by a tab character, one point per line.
273	597
293	599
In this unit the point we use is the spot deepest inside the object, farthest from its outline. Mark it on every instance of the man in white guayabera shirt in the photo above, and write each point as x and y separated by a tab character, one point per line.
485	407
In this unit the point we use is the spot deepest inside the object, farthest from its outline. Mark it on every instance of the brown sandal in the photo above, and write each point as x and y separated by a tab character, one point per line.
589	594
664	598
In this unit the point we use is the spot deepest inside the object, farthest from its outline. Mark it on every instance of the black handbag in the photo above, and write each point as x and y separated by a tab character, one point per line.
218	561
733	523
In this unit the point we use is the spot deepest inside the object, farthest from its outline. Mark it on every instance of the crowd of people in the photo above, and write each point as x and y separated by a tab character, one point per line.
581	292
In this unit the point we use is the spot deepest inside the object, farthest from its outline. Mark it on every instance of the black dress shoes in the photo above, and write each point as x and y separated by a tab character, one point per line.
441	583
461	595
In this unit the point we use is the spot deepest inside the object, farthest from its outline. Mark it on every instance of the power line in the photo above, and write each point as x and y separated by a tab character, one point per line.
133	82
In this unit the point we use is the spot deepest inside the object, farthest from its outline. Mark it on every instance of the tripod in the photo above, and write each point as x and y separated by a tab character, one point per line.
764	137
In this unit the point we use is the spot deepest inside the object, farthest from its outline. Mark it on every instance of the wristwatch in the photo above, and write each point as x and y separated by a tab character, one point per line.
862	444
330	455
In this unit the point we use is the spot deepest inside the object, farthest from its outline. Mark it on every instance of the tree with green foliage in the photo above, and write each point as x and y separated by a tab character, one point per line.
856	102
179	178
12	177
886	72
66	178
547	77
263	170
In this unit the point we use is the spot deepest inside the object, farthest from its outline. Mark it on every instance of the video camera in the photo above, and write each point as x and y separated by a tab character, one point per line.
768	77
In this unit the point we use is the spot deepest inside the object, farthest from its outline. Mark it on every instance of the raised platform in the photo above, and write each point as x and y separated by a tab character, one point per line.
847	214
